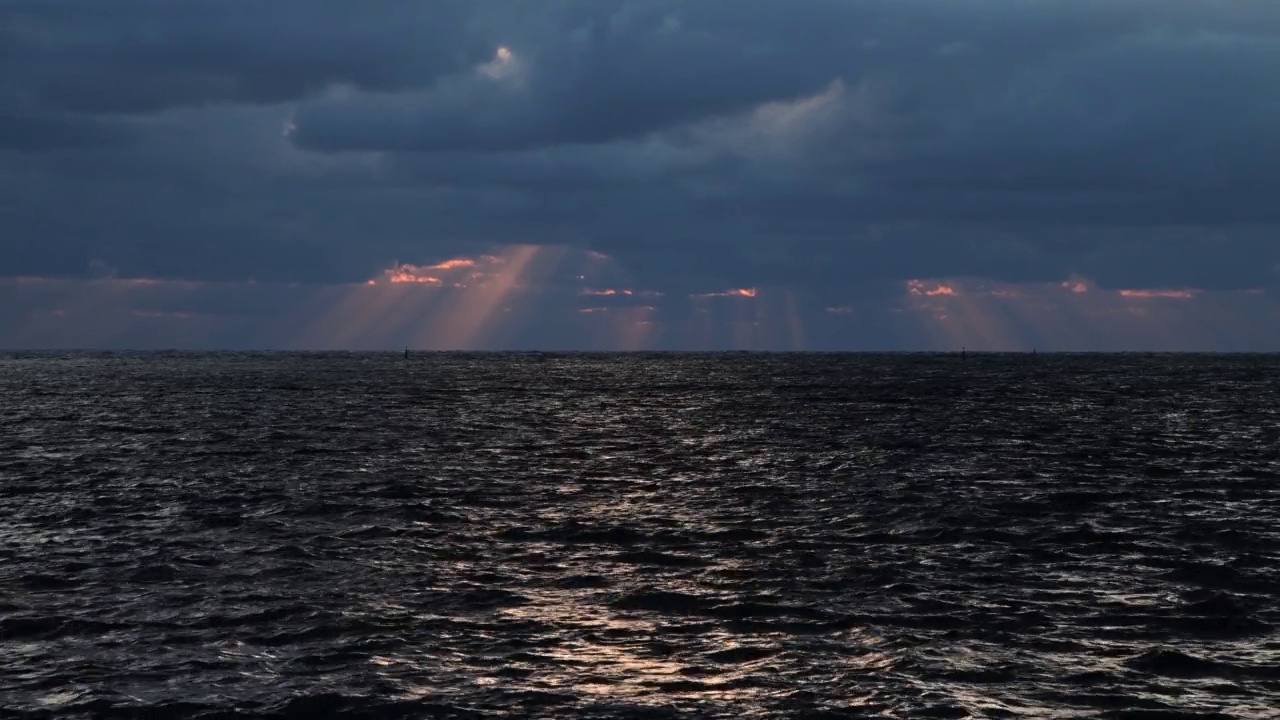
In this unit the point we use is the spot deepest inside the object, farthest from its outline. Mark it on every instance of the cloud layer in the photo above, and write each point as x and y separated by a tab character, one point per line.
540	297
835	149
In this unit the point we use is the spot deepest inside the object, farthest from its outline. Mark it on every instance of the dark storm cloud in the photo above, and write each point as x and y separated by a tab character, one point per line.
595	72
832	145
40	132
589	76
139	56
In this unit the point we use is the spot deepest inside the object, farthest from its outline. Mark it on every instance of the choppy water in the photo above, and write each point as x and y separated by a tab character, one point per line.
639	536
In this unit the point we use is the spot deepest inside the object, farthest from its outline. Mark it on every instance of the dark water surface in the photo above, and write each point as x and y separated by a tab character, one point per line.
278	535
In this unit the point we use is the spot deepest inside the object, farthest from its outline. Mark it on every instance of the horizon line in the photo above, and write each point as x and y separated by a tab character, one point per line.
570	351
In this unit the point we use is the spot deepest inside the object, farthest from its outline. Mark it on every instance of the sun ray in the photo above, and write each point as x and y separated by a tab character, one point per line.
471	313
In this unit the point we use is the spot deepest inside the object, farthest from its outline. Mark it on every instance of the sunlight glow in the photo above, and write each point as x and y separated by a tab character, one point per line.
458	303
456	263
625	328
733	292
466	316
920	287
526	296
1149	293
754	319
504	64
410	275
991	316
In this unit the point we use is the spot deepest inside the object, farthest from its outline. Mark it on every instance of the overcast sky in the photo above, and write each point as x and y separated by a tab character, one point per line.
632	174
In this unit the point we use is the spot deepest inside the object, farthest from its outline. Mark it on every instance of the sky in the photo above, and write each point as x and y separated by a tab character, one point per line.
640	174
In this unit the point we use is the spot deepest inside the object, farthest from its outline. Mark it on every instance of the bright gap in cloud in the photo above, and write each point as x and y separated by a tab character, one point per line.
551	297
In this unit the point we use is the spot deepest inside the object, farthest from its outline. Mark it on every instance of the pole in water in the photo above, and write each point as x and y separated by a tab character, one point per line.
406	352
962	352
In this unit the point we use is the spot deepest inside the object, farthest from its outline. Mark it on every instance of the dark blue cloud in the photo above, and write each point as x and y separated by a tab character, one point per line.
38	132
830	145
139	56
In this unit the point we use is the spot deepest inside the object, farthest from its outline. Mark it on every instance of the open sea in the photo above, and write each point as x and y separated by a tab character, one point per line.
279	535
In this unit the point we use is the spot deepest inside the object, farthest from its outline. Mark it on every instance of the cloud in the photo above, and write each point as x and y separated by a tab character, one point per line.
41	132
586	75
135	56
730	293
532	297
1161	126
828	149
1076	315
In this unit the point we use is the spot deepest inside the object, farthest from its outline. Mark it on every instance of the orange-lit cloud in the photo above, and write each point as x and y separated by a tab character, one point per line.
732	292
479	300
920	287
456	263
618	292
523	295
409	274
459	303
468	315
1149	293
438	273
442	305
1074	313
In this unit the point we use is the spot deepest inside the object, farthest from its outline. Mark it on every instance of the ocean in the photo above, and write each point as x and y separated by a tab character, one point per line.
277	535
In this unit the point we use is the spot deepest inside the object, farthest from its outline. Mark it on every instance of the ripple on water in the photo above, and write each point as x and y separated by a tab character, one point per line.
284	536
